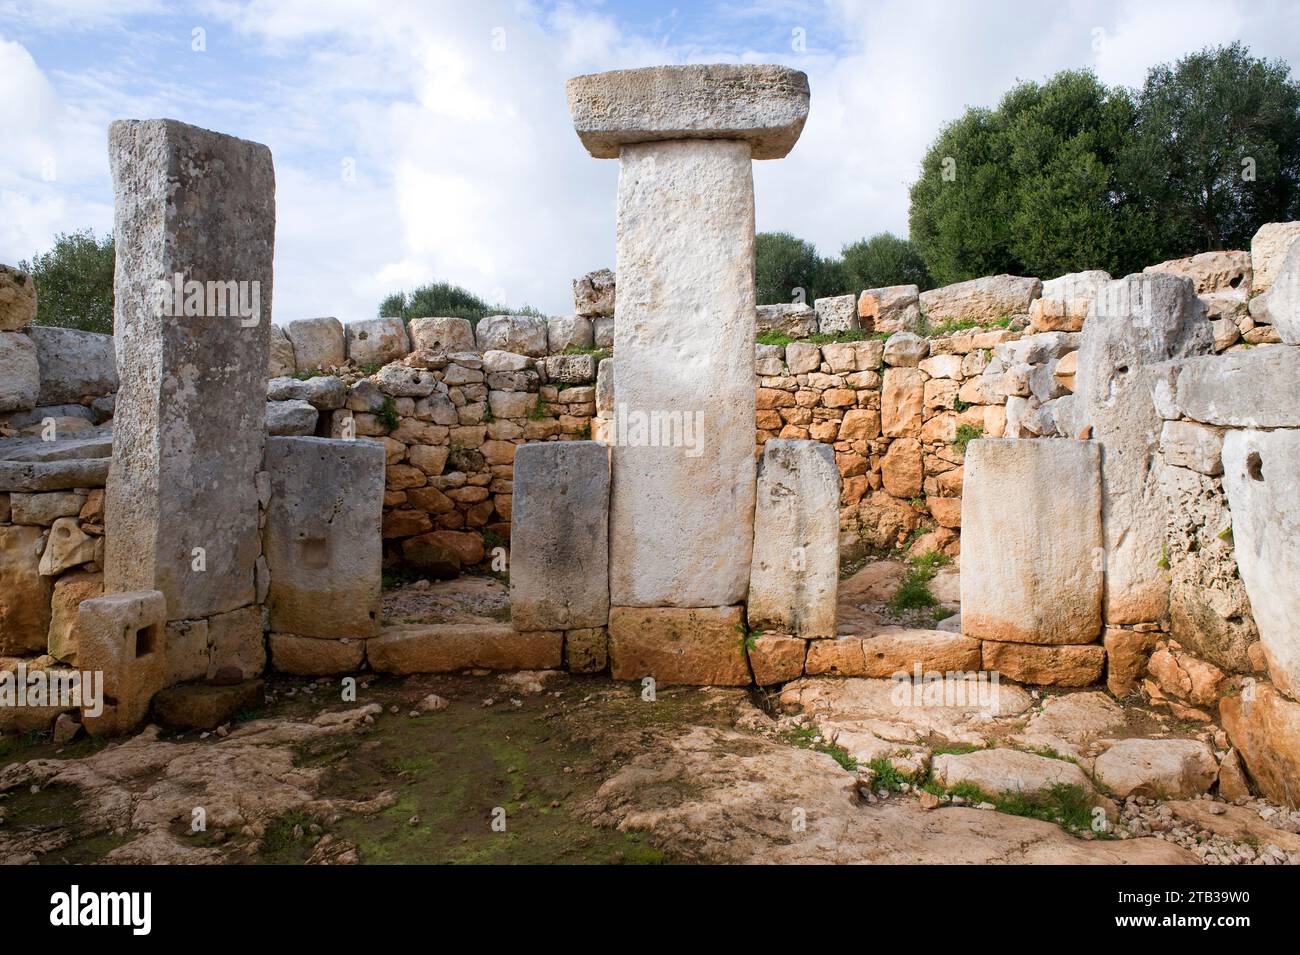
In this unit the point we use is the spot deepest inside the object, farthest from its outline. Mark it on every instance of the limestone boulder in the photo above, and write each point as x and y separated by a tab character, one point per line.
282	361
74	364
521	334
443	648
593	294
794	319
893	308
763	106
68	546
1268	250
313	656
122	638
442	334
1244	388
1164	768
399	381
836	314
1066	665
794	575
1065	301
697	645
777	658
286	418
318	343
905	350
1001	772
984	301
322	392
1030	568
568	331
1210	271
377	341
1262	480
17	299
1281	303
1264	727
20	372
24	592
204	706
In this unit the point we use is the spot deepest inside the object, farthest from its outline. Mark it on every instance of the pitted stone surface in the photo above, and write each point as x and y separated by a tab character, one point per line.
764	106
323	544
74	364
682	502
559	543
191	409
1031	532
794	578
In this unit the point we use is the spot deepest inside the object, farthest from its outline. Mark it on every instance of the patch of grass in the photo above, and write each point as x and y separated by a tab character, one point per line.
774	337
279	834
966	433
954	749
839	338
1065	804
912	594
587	350
388	415
370	369
959	406
948	328
888	777
537	412
310	373
804	737
1002	322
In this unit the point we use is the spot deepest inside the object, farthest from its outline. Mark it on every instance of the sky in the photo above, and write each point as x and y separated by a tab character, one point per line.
430	141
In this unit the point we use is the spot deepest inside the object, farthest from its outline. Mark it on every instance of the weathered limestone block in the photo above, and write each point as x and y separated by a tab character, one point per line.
602	332
122	637
586	650
24	593
442	334
593	294
286	418
377	341
1031	537
1168	768
905	350
318	343
694	645
1261	471
402	382
441	648
901	401
17	299
67	546
322	392
1210	271
1186	444
777	658
191	409
983	300
763	106
521	334
1209	611
682	495
894	650
1007	771
1044	666
1268	249
1065	301
902	469
1281	304
559	536
794	319
314	656
74	364
20	372
1135	322
894	308
1250	388
794	577
44	509
322	536
802	357
1264	727
1127	653
568	331
186	651
571	369
282	361
838	313
236	641
201	706
69	592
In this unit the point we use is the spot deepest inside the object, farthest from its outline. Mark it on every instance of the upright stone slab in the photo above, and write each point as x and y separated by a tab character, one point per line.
1031	541
794	579
1134	323
189	428
323	545
1261	471
559	536
682	496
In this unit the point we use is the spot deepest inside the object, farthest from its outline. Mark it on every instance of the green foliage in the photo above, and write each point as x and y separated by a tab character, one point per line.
74	282
887	777
1072	175
966	433
783	265
587	350
1202	124
444	300
773	337
883	260
388	415
804	737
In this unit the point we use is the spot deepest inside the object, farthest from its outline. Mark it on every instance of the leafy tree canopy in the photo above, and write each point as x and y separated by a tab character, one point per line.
74	282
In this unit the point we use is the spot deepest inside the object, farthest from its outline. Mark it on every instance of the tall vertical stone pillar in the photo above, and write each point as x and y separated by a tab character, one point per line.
683	469
195	231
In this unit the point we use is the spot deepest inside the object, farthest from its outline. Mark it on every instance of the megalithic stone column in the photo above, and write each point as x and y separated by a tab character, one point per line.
682	493
195	231
1133	323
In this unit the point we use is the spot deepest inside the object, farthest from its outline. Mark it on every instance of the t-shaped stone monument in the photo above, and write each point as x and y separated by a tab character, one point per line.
682	494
